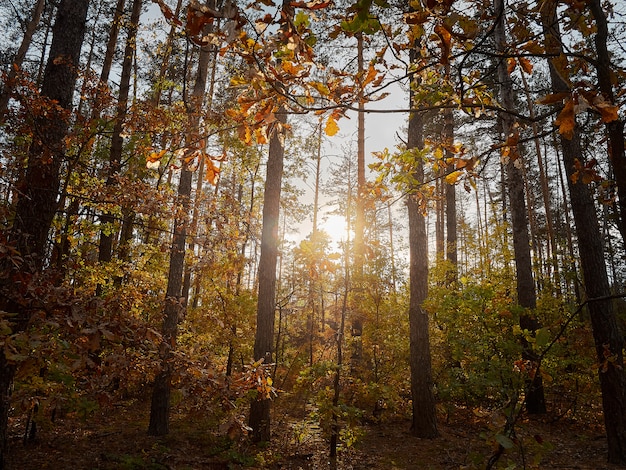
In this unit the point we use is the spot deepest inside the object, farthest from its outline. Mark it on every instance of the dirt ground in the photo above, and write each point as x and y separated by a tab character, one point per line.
117	439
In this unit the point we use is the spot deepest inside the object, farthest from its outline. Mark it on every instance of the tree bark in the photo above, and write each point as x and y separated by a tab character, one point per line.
105	252
608	339
175	299
40	185
614	129
260	419
424	421
526	293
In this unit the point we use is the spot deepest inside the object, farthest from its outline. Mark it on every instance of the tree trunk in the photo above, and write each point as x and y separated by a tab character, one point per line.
424	422
450	195
264	337
608	340
615	129
175	300
526	293
39	187
105	253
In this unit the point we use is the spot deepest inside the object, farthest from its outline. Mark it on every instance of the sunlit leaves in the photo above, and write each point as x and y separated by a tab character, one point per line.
331	127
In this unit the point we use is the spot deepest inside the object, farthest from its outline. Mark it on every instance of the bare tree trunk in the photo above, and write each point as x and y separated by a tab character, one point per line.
526	293
424	422
608	339
107	233
615	128
263	343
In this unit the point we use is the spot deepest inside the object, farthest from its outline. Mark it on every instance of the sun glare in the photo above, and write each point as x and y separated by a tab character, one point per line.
335	227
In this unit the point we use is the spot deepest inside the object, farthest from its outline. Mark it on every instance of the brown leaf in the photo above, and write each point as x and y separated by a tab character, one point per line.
553	98
511	63
526	64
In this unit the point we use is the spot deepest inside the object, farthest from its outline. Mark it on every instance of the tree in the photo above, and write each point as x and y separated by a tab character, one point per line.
608	340
39	187
105	251
260	419
424	423
175	298
526	292
5	95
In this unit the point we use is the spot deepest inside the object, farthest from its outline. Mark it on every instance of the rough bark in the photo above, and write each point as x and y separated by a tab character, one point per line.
614	129
40	185
260	420
608	340
424	421
526	292
175	297
105	252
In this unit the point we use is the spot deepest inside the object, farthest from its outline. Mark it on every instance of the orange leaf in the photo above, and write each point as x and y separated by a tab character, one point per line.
527	66
511	63
331	127
167	12
445	37
553	98
212	172
371	75
566	120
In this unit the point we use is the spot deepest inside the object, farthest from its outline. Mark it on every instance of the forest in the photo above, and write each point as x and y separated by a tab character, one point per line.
349	234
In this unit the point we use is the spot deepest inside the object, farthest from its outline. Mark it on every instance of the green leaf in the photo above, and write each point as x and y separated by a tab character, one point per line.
504	441
542	337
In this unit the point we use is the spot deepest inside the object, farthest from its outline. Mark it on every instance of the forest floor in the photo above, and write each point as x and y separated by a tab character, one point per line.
117	439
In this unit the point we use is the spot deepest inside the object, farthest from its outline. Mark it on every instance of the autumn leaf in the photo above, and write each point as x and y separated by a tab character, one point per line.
511	63
315	5
371	75
526	65
566	120
331	127
553	98
167	12
212	172
453	177
416	17
445	37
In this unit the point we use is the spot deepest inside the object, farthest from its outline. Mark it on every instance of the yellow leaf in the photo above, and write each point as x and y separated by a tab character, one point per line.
453	177
331	127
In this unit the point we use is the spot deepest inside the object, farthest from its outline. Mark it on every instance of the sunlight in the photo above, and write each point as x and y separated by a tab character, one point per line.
335	226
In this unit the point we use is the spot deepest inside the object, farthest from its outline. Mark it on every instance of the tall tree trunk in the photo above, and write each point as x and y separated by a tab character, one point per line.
424	422
615	128
39	187
175	300
526	293
608	339
20	55
260	419
545	190
107	234
450	194
359	226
